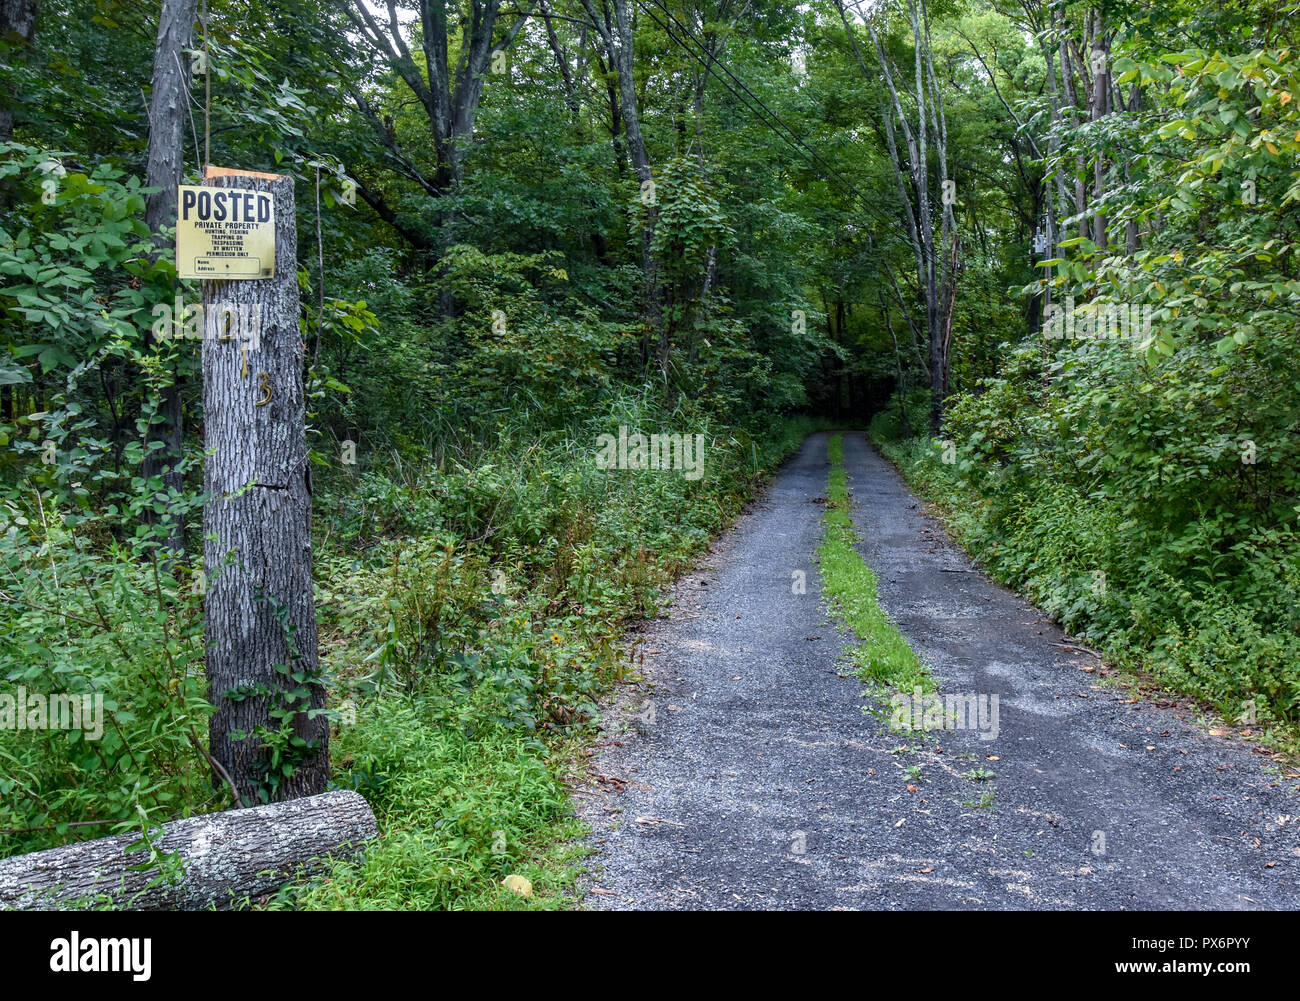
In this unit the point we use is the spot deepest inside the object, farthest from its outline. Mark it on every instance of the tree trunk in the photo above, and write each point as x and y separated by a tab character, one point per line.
936	269
17	29
227	856
1072	103
617	37
1132	243
571	100
949	243
259	609
449	96
640	162
1100	107
168	103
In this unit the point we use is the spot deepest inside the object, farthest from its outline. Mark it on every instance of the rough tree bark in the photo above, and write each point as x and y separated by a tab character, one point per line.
17	29
1099	100
168	104
258	514
226	856
618	38
936	266
1072	104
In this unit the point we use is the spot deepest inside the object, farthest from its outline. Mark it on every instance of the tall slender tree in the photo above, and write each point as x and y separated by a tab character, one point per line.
168	107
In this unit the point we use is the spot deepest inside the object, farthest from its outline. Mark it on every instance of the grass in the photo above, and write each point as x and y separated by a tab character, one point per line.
460	802
489	700
472	609
882	655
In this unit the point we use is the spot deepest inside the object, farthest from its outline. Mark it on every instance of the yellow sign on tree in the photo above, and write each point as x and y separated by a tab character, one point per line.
226	233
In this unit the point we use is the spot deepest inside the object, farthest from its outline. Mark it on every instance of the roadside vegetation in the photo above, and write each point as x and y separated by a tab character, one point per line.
726	221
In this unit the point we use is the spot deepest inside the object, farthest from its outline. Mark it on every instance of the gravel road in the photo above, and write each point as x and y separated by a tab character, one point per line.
743	772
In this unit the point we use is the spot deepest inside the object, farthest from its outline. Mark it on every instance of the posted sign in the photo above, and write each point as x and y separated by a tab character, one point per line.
226	233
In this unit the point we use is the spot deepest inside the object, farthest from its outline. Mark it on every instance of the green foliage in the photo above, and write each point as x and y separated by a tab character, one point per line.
475	648
110	624
461	801
1218	181
1201	612
68	236
478	324
1145	490
91	608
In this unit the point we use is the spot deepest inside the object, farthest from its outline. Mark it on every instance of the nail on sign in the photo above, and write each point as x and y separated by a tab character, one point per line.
225	233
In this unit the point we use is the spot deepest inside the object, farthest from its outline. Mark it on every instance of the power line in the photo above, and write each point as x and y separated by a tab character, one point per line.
798	142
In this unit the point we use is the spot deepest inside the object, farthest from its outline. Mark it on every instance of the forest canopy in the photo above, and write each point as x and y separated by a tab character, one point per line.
1045	249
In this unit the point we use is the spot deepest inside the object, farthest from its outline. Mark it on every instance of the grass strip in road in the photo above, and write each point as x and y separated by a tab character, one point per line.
882	654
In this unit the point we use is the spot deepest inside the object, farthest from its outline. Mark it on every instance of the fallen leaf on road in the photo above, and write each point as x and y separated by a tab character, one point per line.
651	821
604	893
1218	733
900	823
923	871
912	788
992	757
519	885
735	677
1269	865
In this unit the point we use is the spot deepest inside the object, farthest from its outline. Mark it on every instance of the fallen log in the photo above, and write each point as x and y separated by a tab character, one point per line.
226	856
